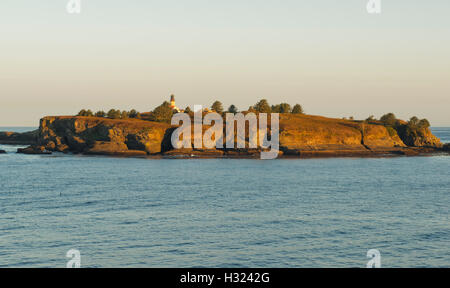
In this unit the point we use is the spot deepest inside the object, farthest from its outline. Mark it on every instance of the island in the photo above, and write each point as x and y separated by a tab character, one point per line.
300	135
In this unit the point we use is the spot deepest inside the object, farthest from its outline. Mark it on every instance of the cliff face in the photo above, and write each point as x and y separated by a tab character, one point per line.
419	137
300	135
93	135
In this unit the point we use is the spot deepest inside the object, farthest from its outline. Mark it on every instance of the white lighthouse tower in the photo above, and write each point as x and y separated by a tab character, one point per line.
172	103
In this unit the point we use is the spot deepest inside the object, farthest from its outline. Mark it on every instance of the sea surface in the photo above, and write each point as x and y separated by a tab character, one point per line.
124	212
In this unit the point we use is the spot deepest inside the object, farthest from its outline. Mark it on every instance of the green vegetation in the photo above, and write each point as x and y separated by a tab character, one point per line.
389	119
217	106
262	106
100	114
416	124
87	113
281	108
392	132
134	114
162	113
298	109
232	109
114	114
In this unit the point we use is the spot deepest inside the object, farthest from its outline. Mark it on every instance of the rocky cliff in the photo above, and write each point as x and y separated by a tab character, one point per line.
91	135
12	138
300	136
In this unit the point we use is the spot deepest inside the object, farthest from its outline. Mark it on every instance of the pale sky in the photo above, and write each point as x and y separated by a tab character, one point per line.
330	56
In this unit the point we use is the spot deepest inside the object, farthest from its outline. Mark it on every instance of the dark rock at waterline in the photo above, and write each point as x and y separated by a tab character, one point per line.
2	152
301	136
13	138
446	147
34	150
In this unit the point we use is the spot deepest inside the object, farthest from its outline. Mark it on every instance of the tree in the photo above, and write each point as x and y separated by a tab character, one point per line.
82	113
113	114
232	109
262	107
414	121
285	108
371	118
298	109
188	110
217	106
275	108
86	113
124	115
100	114
389	119
415	124
162	113
424	123
133	113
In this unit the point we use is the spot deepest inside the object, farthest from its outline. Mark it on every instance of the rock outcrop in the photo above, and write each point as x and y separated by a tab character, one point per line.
300	136
13	138
34	150
419	137
101	136
446	147
314	135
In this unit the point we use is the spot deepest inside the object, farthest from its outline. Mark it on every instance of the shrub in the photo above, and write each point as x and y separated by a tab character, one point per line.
232	109
424	123
124	115
162	113
389	119
100	114
113	114
262	106
281	108
133	113
82	112
392	132
297	109
87	113
217	106
414	121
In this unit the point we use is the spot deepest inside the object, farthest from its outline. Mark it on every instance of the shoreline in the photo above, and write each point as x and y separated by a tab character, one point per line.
301	137
306	154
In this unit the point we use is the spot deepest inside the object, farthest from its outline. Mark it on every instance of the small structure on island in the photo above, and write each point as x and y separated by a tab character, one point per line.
172	103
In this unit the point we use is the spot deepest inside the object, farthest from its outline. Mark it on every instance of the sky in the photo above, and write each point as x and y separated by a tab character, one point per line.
330	56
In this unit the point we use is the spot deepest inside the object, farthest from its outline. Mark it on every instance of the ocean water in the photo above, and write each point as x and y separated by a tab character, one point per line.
124	212
442	133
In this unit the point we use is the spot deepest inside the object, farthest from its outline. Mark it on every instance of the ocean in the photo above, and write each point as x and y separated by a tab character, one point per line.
125	212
